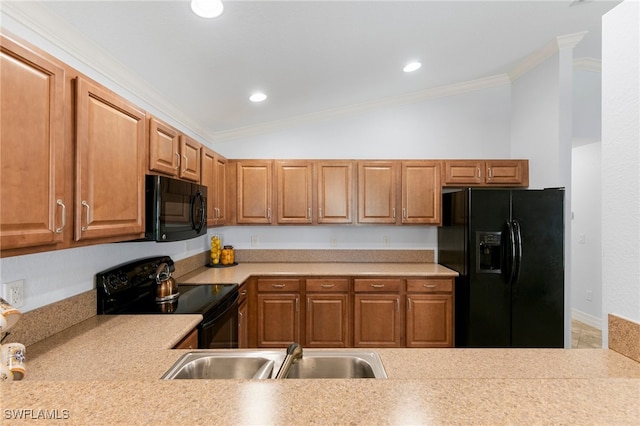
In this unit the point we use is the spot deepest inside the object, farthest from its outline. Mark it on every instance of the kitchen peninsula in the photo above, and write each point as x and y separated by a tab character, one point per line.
106	370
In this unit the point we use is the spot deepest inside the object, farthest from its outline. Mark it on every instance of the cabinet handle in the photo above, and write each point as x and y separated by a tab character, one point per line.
297	304
404	213
479	172
309	213
327	285
85	204
319	212
308	304
429	285
277	285
186	163
243	293
409	304
178	166
240	318
269	213
397	305
64	216
393	212
490	173
377	285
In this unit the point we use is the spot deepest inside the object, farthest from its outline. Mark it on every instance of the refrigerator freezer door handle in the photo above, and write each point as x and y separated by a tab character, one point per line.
517	260
509	254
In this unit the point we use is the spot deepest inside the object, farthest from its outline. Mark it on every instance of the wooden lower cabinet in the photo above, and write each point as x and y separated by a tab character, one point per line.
377	321
341	312
190	341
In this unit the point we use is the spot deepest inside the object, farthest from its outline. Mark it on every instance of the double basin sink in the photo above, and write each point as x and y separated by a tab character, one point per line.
266	364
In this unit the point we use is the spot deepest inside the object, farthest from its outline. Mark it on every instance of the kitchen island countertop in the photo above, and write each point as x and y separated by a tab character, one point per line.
106	370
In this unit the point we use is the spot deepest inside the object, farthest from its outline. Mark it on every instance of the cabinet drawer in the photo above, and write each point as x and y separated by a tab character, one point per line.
276	284
340	285
434	285
373	284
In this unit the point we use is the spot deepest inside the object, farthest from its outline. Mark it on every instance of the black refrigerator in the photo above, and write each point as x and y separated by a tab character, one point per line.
508	247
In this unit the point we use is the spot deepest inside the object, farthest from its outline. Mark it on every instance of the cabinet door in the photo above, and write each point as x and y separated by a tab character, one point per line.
110	137
243	325
335	192
254	192
463	172
327	320
190	159
278	319
429	320
377	321
294	191
164	148
507	172
421	192
220	202
377	190
33	205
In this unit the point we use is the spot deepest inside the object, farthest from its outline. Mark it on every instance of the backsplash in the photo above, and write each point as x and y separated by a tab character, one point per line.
334	256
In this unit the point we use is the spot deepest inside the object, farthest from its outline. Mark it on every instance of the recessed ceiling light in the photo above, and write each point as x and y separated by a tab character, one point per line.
257	97
207	8
412	66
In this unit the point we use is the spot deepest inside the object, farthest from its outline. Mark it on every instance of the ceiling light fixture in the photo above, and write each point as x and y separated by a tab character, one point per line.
412	66
257	97
207	8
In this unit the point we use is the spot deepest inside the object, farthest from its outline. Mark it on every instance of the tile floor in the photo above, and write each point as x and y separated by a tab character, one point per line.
584	336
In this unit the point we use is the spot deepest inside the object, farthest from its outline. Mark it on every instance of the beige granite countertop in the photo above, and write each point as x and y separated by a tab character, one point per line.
106	370
240	273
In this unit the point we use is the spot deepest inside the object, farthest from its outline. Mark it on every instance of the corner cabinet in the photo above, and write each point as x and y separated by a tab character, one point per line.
110	148
510	173
32	149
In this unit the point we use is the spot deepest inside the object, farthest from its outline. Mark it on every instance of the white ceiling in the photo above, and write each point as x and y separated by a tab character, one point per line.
313	56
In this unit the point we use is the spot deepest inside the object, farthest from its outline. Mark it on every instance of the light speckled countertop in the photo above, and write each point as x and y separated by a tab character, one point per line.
240	273
106	371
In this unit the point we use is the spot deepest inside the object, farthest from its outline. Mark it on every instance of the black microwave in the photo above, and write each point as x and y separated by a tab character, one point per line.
175	210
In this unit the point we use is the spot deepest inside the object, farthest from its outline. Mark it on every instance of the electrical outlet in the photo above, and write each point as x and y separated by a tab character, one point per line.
14	293
333	241
589	295
385	241
254	241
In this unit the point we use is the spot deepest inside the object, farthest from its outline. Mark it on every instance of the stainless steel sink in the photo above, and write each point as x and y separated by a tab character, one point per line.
227	364
338	365
264	364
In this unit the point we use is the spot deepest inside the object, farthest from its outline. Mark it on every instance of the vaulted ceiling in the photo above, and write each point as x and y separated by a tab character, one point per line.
307	56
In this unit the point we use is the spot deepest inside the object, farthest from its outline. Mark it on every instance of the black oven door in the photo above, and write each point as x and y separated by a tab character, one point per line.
219	329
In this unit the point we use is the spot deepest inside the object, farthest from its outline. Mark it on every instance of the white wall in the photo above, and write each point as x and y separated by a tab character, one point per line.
586	246
620	163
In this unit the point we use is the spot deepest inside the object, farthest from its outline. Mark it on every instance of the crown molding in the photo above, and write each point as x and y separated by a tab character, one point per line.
544	53
587	64
432	93
42	22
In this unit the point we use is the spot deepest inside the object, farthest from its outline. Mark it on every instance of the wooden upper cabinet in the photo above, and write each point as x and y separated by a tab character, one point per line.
110	147
377	189
190	159
334	191
513	173
294	191
213	176
173	153
164	146
254	186
33	204
421	192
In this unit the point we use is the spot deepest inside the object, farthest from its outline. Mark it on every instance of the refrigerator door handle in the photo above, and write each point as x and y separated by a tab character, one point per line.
509	254
517	260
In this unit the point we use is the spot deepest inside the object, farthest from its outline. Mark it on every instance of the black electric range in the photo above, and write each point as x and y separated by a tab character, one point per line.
130	289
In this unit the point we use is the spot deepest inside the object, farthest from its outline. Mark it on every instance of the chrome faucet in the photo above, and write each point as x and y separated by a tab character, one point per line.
294	353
